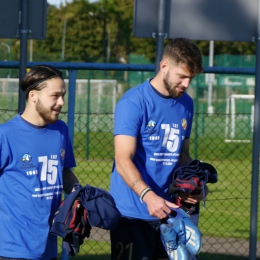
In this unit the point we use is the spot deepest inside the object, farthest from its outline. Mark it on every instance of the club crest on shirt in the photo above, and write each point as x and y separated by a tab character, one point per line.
151	124
62	153
184	123
151	130
26	158
28	165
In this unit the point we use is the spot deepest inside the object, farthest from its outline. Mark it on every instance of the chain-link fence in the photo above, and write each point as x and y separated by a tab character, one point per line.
222	136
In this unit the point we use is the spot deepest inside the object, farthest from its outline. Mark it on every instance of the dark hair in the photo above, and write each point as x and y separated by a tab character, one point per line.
184	51
35	78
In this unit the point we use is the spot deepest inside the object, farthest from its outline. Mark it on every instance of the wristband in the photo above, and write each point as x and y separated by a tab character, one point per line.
143	193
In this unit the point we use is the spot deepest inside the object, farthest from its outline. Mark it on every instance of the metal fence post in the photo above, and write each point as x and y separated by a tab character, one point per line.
88	118
255	160
71	119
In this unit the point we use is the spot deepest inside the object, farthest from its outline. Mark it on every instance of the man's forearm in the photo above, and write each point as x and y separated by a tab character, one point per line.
69	179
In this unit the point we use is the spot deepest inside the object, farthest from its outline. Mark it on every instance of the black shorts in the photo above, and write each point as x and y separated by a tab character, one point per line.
135	239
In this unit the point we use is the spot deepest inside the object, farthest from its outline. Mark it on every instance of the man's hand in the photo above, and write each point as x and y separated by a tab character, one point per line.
190	198
193	198
157	206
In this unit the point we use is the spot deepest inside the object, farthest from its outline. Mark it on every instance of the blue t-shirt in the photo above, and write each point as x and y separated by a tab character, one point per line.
160	124
31	164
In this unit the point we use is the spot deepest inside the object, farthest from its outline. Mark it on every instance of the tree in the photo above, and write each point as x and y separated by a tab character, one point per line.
103	32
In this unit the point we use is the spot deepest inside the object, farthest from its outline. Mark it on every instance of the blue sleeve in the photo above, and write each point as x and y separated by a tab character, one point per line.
128	117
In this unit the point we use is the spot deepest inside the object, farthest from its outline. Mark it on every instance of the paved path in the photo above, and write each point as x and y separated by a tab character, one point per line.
231	246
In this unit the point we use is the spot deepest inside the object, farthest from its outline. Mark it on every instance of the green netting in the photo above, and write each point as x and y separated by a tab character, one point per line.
136	77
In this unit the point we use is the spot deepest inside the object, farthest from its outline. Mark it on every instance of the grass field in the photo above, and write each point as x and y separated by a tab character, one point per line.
227	211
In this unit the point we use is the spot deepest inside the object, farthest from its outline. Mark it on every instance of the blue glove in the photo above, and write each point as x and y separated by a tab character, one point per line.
187	232
172	244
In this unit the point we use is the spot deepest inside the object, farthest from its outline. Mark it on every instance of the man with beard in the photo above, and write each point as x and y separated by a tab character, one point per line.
35	168
151	136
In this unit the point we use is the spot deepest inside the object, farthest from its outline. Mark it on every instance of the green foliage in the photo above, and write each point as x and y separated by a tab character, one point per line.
101	31
236	48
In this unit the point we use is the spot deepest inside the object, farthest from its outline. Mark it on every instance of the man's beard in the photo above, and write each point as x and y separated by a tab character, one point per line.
171	89
45	113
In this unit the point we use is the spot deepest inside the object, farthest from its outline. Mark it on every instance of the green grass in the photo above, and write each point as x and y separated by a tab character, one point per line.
91	250
227	211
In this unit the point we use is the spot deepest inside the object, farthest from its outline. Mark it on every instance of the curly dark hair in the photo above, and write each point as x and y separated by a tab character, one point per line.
184	51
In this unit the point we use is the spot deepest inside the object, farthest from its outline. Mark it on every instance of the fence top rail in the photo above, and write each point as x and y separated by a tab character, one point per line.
121	67
114	81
